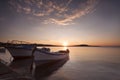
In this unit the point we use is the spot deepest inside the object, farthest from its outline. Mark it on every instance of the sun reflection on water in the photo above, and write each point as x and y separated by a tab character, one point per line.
64	48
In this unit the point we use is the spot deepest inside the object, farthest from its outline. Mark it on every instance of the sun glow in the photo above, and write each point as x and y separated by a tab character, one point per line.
65	44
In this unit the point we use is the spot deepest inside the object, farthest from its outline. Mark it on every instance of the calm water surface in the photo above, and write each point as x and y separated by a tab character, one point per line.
85	63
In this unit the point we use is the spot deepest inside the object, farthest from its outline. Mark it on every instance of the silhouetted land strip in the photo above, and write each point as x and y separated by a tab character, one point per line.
84	45
51	45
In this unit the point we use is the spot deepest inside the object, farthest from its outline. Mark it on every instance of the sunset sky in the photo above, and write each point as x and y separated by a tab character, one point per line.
94	22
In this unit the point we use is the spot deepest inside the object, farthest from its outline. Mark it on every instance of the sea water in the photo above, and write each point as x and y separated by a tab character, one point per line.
85	63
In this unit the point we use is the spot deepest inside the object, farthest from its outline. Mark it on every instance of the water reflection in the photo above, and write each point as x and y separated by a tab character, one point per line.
27	68
2	50
23	67
65	48
44	71
86	63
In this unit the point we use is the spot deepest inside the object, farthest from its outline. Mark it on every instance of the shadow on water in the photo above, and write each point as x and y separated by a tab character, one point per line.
2	50
22	67
44	70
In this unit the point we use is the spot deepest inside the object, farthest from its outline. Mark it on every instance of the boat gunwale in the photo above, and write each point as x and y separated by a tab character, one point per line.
53	53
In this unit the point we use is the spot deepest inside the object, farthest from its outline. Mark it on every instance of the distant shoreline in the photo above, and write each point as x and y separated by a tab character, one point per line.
50	45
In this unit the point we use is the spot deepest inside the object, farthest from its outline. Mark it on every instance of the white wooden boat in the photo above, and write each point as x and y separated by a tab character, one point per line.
44	55
21	51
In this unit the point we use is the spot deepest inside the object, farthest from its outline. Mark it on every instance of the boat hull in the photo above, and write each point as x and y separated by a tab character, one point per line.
40	57
20	53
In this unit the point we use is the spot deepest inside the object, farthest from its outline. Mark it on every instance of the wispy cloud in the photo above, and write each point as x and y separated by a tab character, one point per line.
55	11
76	14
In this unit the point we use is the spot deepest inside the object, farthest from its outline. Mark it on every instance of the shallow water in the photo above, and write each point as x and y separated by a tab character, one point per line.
85	63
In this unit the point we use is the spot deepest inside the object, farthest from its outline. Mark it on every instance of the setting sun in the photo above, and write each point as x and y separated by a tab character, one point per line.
65	44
